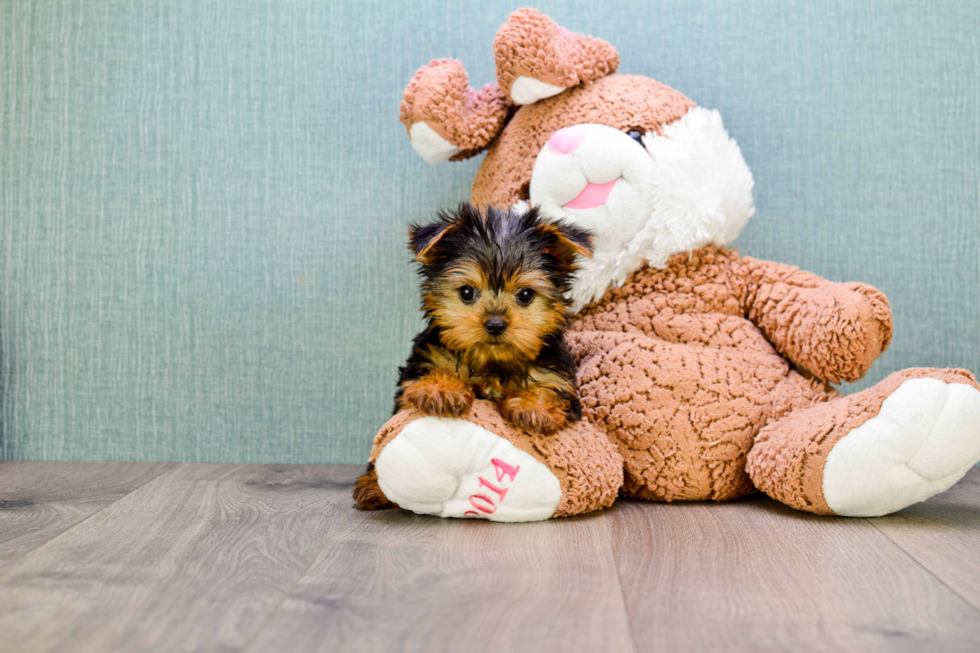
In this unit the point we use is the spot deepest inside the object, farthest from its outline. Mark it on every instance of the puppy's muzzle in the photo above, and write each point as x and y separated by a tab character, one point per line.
495	326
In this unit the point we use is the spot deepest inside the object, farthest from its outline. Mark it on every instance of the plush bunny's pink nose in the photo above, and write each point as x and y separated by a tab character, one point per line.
566	140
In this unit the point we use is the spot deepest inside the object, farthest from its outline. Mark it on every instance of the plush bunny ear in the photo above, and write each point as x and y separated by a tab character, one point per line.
445	118
537	58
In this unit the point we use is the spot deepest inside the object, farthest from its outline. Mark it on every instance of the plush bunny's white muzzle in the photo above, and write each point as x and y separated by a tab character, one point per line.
643	201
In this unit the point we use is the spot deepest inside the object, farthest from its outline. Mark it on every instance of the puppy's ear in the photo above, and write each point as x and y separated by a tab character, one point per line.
421	239
566	241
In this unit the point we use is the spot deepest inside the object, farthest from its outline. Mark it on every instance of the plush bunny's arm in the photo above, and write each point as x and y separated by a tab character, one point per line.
833	330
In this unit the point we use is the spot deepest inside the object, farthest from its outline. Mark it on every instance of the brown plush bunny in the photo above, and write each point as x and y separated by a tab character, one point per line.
703	374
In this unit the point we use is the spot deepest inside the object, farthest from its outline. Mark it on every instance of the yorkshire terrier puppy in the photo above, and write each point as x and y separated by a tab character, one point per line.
493	295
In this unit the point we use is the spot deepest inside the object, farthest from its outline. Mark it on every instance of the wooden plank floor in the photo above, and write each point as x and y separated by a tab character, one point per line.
268	558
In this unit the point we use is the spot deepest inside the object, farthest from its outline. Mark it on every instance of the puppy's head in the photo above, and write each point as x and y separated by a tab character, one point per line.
495	282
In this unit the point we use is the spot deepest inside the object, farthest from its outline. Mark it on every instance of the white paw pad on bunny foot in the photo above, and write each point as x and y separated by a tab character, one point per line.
454	468
925	437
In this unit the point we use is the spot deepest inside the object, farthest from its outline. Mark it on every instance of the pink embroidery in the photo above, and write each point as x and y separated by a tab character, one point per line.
485	503
503	469
488	500
501	491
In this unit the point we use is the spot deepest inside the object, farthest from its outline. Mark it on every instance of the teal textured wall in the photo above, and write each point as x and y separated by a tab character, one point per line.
203	203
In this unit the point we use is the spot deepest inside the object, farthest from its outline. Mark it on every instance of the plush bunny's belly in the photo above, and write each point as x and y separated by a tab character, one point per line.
685	414
670	367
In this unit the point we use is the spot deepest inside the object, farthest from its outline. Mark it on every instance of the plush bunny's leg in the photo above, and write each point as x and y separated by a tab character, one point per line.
874	452
482	467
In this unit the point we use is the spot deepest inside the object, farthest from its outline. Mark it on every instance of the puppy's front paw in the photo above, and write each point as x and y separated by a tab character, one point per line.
439	394
534	413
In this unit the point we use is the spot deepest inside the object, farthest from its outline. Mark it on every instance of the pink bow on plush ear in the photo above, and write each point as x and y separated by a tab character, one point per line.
536	58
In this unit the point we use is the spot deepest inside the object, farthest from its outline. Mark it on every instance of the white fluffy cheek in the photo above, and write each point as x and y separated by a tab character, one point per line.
604	155
613	223
555	181
608	155
627	211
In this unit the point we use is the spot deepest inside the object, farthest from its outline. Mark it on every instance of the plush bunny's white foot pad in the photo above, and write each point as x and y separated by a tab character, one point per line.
454	468
925	437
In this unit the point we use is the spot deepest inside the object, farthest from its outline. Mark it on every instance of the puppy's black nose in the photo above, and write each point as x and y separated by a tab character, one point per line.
495	325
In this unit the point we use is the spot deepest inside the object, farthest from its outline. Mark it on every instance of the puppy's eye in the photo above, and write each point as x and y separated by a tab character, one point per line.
467	293
525	296
636	135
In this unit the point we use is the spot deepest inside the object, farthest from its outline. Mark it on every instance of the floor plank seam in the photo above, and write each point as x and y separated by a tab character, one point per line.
272	613
619	581
925	569
12	564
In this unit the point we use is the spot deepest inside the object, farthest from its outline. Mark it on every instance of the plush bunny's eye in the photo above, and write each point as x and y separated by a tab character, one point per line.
636	135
